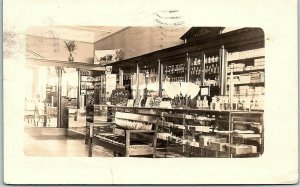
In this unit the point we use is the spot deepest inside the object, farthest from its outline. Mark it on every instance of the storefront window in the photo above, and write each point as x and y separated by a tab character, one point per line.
41	97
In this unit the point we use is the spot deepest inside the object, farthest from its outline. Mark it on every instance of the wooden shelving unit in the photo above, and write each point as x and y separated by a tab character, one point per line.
205	63
92	92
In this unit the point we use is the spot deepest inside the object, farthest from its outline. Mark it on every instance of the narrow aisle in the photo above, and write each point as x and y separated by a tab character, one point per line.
60	147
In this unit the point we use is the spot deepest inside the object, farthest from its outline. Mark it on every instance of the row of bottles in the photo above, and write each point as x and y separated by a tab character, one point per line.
212	69
202	104
196	70
149	72
175	69
237	103
175	79
211	59
86	73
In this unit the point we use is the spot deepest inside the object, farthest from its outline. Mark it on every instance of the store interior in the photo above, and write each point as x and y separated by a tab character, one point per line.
144	92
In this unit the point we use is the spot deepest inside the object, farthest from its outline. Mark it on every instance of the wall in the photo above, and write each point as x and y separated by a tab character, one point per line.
141	40
54	49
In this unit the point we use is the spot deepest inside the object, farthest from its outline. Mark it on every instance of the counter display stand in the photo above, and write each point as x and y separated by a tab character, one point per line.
206	133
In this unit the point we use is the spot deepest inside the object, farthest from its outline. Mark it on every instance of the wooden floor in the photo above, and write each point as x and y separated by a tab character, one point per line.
60	146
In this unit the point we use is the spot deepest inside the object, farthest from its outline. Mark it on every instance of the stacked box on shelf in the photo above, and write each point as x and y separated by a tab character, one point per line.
219	144
249	68
237	66
259	90
245	54
243	90
250	91
242	149
205	140
257	77
245	78
259	62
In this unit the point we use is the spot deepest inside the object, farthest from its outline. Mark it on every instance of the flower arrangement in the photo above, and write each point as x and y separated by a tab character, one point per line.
71	46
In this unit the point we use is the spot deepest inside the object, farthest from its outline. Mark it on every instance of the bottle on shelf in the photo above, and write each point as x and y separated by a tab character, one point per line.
205	102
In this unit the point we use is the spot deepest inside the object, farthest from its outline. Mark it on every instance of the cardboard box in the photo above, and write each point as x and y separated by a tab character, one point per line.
202	128
221	140
217	146
242	149
205	140
245	78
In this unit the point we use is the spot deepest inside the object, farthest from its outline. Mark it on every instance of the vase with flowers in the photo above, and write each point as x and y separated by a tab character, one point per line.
71	46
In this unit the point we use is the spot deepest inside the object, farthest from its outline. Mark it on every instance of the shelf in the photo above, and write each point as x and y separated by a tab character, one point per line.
251	59
176	75
198	65
251	83
237	95
248	71
211	74
212	63
246	123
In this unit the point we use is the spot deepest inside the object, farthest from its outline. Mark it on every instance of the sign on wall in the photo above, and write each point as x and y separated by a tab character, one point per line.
107	56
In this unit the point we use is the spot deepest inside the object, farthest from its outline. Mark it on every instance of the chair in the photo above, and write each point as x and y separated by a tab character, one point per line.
30	112
41	114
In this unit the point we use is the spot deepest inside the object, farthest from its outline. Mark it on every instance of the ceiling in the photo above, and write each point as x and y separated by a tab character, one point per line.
89	34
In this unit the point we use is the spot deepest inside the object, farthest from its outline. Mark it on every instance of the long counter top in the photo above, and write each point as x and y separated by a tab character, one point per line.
189	110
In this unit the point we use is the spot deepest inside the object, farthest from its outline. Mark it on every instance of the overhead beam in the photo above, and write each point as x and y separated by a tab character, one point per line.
64	64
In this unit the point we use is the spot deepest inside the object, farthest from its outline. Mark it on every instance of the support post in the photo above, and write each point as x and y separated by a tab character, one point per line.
91	139
159	78
137	80
79	87
223	66
59	95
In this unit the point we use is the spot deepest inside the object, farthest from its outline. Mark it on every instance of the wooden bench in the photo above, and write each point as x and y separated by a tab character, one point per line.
129	135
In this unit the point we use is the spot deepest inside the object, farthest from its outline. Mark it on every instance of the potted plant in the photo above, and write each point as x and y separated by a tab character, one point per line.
71	46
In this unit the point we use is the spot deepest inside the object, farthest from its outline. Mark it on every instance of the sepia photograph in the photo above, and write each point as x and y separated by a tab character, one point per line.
180	92
150	93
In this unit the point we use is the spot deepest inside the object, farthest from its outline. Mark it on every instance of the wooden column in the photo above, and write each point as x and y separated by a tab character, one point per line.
79	87
59	87
159	78
137	80
223	74
188	68
121	74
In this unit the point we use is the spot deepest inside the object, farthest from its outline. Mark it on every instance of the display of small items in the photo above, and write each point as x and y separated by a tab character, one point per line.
202	104
179	101
237	103
86	73
212	70
196	66
176	79
119	97
175	69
